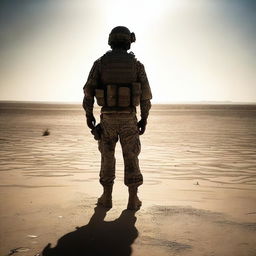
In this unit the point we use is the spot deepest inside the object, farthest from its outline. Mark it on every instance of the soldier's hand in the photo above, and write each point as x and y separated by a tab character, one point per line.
91	121
96	132
142	126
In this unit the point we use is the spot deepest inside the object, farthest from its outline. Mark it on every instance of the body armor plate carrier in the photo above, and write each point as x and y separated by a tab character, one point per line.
118	88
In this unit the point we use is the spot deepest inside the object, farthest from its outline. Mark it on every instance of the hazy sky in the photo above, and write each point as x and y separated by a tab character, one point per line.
193	50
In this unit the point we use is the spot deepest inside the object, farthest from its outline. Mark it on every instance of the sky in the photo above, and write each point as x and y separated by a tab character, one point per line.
192	50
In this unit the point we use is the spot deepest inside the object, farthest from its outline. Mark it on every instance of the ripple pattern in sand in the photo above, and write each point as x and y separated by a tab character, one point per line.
213	145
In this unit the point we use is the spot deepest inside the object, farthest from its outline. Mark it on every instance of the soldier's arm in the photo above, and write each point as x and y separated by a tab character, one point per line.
89	89
145	106
146	95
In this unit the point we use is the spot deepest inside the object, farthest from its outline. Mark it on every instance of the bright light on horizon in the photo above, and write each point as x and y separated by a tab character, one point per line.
192	51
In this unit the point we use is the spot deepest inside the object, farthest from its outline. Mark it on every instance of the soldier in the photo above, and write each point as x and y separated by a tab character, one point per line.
119	83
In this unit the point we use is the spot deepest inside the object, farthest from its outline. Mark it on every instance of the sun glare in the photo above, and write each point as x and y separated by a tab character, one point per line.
138	14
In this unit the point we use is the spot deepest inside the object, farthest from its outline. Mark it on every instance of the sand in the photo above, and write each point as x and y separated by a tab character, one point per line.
199	167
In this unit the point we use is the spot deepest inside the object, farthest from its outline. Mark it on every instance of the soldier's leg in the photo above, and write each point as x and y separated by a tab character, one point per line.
107	145
130	142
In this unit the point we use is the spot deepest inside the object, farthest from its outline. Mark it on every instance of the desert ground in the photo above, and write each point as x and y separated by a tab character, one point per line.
198	196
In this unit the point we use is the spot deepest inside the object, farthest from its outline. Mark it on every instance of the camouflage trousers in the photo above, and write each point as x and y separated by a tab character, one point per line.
121	126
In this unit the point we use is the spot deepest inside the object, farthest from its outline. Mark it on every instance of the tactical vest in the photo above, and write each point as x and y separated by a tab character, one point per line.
118	87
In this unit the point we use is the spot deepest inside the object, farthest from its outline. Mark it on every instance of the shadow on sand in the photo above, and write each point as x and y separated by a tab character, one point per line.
98	237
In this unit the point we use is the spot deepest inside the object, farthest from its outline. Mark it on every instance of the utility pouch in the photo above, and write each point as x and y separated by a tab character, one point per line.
111	95
136	93
124	96
99	94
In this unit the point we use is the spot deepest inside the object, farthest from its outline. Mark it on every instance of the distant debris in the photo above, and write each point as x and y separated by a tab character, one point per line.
32	236
19	249
46	132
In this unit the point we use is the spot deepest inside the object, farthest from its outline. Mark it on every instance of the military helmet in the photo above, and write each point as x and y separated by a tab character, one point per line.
121	35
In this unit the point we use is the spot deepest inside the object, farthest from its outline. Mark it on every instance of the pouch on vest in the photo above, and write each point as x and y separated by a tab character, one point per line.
111	95
124	96
136	93
99	94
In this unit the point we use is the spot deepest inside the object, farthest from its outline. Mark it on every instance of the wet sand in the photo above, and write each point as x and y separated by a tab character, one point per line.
199	168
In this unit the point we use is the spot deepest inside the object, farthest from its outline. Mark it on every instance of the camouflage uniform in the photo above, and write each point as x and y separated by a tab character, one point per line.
119	123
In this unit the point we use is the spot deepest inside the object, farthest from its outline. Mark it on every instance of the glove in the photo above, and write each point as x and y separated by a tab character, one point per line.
142	126
91	121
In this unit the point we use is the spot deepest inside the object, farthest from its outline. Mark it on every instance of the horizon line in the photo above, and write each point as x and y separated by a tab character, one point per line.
156	103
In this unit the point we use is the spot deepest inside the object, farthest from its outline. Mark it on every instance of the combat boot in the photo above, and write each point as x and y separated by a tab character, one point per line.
134	202
106	198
